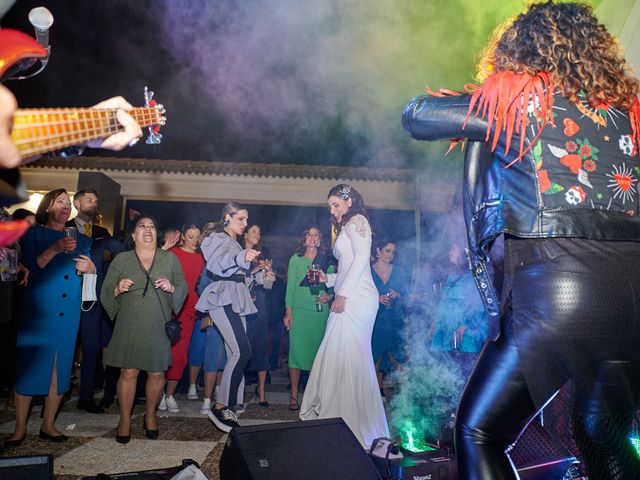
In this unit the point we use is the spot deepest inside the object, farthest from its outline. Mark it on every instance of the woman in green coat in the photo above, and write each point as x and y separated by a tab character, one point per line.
304	319
142	287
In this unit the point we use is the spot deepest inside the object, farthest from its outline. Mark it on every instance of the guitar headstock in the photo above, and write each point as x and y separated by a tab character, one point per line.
155	136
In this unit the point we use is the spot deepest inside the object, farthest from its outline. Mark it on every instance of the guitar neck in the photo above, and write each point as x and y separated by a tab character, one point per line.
38	131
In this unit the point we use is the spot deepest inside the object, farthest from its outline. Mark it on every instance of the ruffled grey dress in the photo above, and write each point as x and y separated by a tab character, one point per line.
225	260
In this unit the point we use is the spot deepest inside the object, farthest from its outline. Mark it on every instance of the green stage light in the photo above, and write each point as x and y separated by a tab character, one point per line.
635	441
409	440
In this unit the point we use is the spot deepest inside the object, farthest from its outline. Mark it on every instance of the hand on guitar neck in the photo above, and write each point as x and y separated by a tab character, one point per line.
10	156
131	133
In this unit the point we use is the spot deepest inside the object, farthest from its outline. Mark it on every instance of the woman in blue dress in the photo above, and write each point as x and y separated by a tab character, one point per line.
50	313
391	283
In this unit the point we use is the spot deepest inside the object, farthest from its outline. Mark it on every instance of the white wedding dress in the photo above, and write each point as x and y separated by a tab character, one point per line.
343	379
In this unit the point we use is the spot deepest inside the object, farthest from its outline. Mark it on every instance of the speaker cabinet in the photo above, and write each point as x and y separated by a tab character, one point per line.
32	467
311	450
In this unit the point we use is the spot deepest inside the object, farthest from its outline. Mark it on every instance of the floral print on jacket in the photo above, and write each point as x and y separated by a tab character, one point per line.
587	159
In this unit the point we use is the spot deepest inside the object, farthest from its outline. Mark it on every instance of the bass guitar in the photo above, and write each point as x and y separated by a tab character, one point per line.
41	130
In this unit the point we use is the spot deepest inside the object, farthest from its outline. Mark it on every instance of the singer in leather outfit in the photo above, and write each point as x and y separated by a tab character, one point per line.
551	163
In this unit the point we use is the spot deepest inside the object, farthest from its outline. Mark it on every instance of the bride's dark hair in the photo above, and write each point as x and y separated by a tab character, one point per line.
344	192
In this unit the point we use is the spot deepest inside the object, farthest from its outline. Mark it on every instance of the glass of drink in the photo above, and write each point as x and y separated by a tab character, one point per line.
269	278
70	232
389	303
313	274
9	265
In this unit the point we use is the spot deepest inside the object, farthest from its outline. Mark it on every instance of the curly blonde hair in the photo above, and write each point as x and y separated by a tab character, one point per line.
566	41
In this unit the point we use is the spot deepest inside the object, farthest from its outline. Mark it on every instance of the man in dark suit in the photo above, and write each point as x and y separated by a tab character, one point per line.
95	330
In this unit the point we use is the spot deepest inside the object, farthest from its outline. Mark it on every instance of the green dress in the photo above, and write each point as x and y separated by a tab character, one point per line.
139	339
308	326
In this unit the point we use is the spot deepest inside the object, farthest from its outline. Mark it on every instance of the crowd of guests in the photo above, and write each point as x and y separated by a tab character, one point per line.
218	282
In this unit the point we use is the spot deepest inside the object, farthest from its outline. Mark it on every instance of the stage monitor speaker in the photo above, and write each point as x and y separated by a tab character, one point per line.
32	467
311	450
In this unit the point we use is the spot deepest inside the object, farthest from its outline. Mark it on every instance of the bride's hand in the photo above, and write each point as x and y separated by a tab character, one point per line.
322	276
338	304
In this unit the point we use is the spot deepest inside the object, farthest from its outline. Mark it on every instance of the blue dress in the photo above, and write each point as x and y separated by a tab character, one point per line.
387	332
50	314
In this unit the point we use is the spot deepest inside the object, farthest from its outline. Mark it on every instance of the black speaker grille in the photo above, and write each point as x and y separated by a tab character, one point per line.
319	449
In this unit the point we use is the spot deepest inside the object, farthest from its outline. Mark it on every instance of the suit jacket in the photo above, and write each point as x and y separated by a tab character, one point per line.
102	242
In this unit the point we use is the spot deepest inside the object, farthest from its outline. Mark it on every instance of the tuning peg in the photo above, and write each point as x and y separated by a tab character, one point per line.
154	137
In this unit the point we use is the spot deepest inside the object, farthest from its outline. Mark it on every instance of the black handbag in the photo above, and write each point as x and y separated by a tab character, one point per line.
173	329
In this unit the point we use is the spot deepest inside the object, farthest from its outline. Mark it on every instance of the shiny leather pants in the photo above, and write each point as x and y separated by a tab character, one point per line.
496	405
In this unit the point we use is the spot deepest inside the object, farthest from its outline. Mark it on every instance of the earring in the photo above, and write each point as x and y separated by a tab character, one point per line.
225	223
377	255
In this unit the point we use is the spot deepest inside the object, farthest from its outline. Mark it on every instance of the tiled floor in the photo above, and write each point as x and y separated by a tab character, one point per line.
92	449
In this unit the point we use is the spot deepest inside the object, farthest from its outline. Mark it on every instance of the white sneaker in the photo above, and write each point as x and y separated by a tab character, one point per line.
206	406
172	405
193	392
163	403
238	408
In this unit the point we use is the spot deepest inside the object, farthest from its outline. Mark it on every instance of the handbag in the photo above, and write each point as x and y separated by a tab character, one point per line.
173	330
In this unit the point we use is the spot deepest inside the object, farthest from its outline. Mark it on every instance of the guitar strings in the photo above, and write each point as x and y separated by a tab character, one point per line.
86	124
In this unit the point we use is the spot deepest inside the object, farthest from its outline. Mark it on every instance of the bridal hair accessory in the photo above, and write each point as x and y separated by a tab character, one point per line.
344	192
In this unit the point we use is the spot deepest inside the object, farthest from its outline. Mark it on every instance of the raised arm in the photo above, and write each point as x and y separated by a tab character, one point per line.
441	118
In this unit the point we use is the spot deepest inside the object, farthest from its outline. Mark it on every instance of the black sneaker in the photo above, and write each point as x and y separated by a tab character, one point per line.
224	419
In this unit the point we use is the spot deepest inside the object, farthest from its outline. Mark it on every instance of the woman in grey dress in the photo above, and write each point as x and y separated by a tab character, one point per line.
142	287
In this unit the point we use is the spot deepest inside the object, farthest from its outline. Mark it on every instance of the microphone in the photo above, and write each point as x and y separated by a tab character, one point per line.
41	19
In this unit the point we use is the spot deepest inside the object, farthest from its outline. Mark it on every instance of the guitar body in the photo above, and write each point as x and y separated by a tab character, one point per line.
15	47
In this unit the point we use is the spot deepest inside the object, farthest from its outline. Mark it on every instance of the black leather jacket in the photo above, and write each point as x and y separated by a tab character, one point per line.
580	181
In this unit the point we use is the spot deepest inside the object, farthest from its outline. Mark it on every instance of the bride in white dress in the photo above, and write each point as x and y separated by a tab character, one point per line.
343	379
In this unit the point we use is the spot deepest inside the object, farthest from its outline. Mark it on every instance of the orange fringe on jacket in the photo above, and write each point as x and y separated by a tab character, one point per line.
634	118
503	100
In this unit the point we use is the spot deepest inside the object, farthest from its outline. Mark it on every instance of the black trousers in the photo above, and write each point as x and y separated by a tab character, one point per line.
557	324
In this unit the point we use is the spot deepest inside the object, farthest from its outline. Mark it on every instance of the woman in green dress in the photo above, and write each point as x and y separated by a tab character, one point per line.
142	287
306	324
